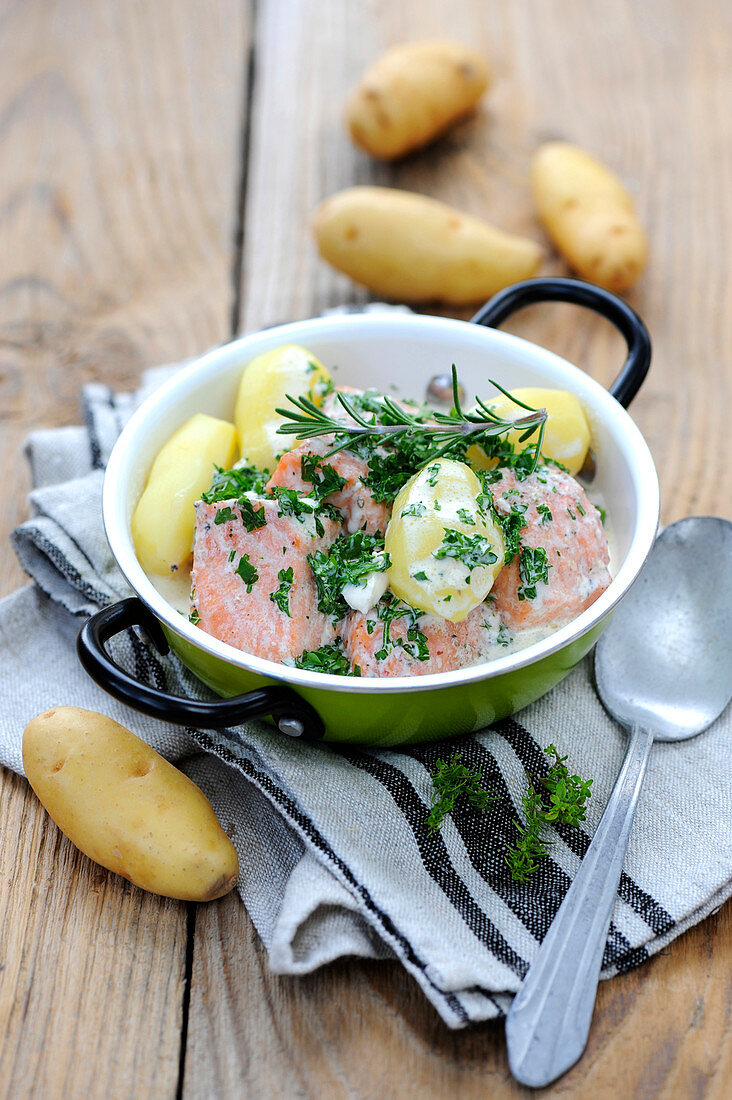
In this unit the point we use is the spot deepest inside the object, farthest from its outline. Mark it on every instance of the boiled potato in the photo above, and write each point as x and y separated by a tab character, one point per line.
589	214
446	550
412	93
416	249
263	388
126	807
164	519
566	432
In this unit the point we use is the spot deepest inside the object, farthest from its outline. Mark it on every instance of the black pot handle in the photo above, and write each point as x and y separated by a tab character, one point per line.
636	365
290	712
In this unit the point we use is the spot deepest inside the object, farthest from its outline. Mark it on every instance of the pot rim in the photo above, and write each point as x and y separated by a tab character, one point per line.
191	377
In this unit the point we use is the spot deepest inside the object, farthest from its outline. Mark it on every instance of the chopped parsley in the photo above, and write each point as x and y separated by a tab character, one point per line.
350	560
223	516
194	617
416	509
421	576
293	504
510	522
466	517
471	550
503	637
323	477
251	517
247	572
546	514
415	643
434	472
232	484
329	658
281	596
534	566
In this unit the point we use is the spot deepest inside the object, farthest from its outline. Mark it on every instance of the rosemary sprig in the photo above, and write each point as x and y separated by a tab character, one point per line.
444	432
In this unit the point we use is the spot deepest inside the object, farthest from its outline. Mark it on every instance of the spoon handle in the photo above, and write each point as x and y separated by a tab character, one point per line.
549	1021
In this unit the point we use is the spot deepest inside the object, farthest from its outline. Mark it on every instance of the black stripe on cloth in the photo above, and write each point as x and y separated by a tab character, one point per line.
487	836
533	759
307	828
436	859
95	451
68	571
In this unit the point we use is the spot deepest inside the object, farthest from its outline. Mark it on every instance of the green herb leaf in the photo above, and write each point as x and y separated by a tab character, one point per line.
451	781
471	550
534	566
247	572
281	596
328	658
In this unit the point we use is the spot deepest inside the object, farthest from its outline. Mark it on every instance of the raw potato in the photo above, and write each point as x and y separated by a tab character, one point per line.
441	497
413	93
126	807
589	215
416	249
164	519
264	386
566	433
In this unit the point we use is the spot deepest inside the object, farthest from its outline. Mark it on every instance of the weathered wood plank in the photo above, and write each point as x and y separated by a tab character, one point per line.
625	80
119	168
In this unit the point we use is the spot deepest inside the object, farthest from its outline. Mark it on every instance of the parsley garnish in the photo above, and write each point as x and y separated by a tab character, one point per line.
329	658
546	514
323	477
349	560
281	596
421	576
503	637
466	517
194	617
223	516
471	550
452	781
233	483
434	472
416	509
567	795
291	503
247	572
415	644
534	566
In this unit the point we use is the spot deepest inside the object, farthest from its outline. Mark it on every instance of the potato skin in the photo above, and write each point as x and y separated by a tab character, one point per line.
412	93
589	215
126	807
164	519
416	249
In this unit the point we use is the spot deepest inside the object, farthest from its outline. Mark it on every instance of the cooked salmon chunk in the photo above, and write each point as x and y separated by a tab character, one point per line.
354	499
416	643
562	566
254	588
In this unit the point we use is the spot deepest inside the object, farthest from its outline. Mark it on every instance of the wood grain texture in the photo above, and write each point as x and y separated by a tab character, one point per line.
120	130
643	85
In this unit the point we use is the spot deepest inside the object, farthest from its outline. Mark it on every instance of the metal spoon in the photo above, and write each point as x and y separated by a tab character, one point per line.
664	671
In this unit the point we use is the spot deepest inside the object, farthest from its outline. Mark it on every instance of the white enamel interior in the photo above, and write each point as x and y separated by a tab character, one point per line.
385	351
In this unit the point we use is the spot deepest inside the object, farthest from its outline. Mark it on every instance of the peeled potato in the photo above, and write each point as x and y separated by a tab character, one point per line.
264	386
442	498
413	93
566	432
589	214
126	807
164	519
416	249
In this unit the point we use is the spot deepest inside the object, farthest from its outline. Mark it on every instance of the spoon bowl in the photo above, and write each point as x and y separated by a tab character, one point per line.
665	660
663	670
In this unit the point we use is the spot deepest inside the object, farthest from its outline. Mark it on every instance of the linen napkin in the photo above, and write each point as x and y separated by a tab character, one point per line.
335	855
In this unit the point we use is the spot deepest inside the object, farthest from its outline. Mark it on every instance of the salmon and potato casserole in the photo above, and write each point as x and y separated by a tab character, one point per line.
350	532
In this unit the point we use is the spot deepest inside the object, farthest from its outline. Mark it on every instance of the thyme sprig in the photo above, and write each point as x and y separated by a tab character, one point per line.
444	432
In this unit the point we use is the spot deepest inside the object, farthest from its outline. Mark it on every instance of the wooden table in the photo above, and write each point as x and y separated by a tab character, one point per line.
158	167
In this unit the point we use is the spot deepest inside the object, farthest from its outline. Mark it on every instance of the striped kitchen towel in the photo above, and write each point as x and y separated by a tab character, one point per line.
336	857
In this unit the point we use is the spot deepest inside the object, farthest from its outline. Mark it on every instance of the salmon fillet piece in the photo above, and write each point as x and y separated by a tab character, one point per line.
560	519
355	500
233	607
448	645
